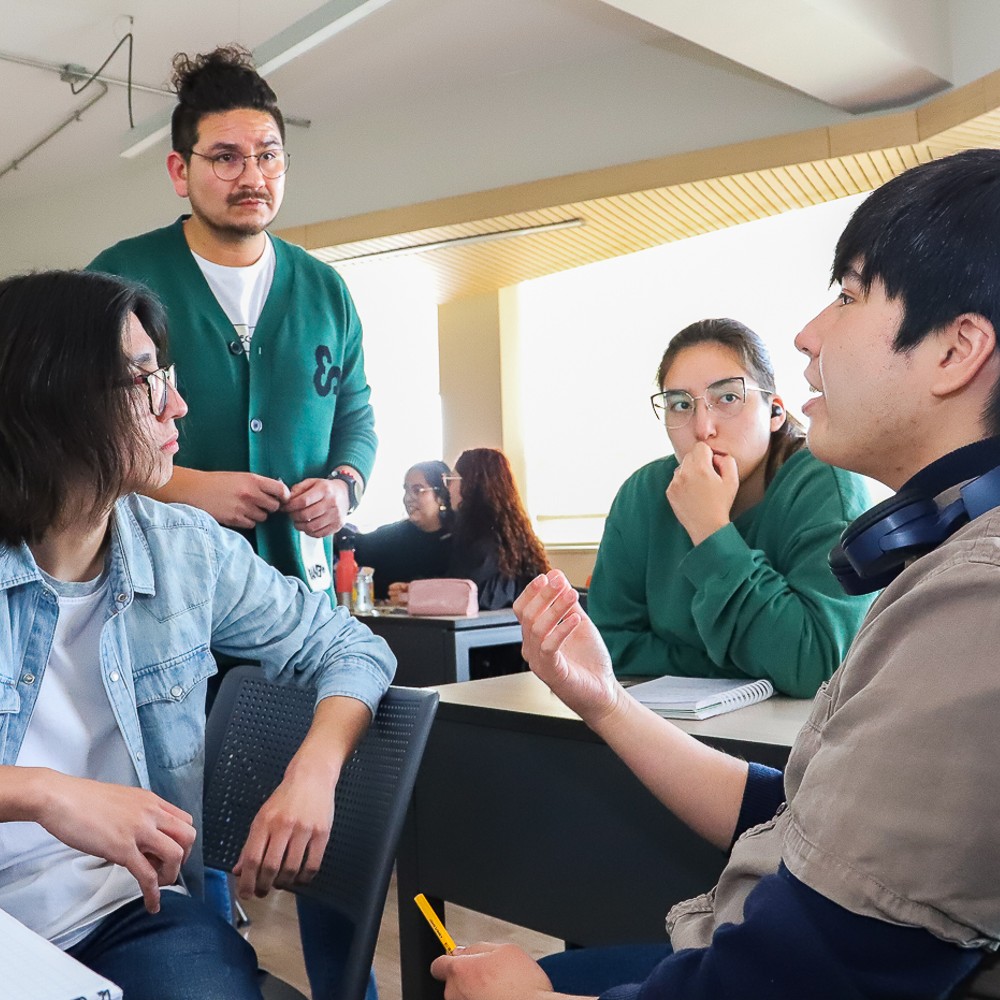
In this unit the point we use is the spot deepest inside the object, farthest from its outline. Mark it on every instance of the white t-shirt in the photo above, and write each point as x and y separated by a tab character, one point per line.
59	892
241	291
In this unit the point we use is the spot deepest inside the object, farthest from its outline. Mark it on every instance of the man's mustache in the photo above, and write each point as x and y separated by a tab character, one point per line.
246	194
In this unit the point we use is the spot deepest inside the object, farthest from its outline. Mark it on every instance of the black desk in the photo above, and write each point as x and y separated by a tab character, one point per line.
444	649
522	813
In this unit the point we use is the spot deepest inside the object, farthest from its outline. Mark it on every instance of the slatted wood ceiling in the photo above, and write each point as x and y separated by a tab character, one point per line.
691	194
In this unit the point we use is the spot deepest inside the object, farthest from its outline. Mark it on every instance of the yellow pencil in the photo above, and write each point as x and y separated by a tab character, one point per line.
435	921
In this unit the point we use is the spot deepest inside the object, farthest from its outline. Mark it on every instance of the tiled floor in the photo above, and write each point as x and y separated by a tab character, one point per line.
274	933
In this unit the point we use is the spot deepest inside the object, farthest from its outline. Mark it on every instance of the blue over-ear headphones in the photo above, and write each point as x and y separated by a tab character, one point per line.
873	550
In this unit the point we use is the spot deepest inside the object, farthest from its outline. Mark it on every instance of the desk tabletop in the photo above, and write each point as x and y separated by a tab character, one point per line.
775	722
484	619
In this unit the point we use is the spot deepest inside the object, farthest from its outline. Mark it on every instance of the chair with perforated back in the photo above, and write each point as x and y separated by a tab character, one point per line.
985	982
254	728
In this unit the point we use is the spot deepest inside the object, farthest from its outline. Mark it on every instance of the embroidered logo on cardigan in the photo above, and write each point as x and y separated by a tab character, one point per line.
326	378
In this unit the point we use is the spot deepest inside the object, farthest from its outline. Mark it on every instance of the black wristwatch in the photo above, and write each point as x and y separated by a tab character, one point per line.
354	488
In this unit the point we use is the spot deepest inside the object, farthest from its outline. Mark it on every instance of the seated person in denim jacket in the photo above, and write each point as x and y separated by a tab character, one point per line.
109	604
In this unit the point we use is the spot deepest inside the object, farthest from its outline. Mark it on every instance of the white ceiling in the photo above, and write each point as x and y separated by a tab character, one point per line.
423	99
859	55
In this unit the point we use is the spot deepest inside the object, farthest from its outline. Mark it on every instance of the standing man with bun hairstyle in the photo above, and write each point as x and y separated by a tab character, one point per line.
280	439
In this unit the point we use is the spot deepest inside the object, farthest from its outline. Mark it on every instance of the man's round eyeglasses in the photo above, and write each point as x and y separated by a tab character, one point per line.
158	385
229	166
725	398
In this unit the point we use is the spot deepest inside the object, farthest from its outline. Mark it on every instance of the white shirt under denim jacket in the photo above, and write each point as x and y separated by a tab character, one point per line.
179	584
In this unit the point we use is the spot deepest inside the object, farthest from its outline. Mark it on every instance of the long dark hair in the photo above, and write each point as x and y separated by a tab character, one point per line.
434	473
755	361
66	425
492	509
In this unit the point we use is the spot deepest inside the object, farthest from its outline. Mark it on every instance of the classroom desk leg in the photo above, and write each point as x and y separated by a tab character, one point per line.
418	946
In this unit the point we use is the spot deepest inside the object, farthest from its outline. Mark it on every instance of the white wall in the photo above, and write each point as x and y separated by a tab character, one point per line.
592	338
378	153
401	362
430	146
975	27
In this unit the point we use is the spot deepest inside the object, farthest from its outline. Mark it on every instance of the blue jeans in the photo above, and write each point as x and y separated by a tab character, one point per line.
326	936
591	971
217	895
184	952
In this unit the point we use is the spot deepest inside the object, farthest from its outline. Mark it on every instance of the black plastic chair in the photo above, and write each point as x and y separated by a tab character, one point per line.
254	728
984	983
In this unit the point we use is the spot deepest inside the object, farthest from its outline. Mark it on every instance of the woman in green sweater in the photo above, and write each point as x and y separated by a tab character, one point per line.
714	560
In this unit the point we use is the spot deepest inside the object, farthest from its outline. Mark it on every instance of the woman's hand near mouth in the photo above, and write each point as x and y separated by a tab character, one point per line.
702	491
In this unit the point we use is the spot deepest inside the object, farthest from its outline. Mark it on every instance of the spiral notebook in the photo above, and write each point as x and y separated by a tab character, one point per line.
34	969
699	697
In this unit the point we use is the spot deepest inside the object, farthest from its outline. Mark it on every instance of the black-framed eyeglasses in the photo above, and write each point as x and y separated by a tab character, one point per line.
725	398
229	166
158	385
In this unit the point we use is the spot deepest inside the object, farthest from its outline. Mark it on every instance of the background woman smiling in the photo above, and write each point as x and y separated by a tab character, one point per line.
713	561
417	548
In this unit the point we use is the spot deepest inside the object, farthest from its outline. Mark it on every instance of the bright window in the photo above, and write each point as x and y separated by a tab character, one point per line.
591	340
395	300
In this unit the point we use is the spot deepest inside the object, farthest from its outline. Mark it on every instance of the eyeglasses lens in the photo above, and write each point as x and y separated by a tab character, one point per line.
271	163
676	407
160	383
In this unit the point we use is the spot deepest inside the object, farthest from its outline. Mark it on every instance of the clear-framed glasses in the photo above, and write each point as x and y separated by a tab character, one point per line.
416	491
725	398
452	477
229	166
158	385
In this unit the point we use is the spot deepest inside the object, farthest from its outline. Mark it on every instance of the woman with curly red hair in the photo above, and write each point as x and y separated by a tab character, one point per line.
493	542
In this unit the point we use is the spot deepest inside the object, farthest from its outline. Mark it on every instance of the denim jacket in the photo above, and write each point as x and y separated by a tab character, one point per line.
179	585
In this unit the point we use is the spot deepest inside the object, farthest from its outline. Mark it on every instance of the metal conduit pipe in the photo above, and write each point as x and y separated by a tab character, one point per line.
74	116
69	73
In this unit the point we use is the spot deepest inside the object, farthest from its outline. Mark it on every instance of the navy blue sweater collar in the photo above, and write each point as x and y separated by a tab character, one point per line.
956	467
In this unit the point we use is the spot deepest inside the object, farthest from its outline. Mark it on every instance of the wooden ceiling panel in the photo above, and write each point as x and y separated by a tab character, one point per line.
640	217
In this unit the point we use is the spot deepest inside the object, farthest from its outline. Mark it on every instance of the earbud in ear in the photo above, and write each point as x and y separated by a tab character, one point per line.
776	410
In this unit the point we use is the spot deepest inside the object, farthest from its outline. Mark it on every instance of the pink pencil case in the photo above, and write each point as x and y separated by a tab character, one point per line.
443	597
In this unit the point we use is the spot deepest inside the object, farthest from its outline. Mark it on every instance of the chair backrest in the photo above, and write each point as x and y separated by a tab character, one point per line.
985	982
254	728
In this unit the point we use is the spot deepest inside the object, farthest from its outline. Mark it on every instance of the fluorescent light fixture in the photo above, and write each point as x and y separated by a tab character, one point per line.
502	234
146	135
305	34
310	31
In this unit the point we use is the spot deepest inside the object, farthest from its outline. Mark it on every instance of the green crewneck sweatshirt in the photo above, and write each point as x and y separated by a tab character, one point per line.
755	599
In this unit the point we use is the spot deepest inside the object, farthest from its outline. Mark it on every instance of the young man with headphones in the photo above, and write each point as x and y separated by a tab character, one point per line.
869	868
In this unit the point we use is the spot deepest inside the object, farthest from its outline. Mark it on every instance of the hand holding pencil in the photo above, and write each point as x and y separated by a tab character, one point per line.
484	971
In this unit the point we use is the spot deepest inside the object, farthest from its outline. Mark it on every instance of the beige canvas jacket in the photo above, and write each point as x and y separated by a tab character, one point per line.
892	787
